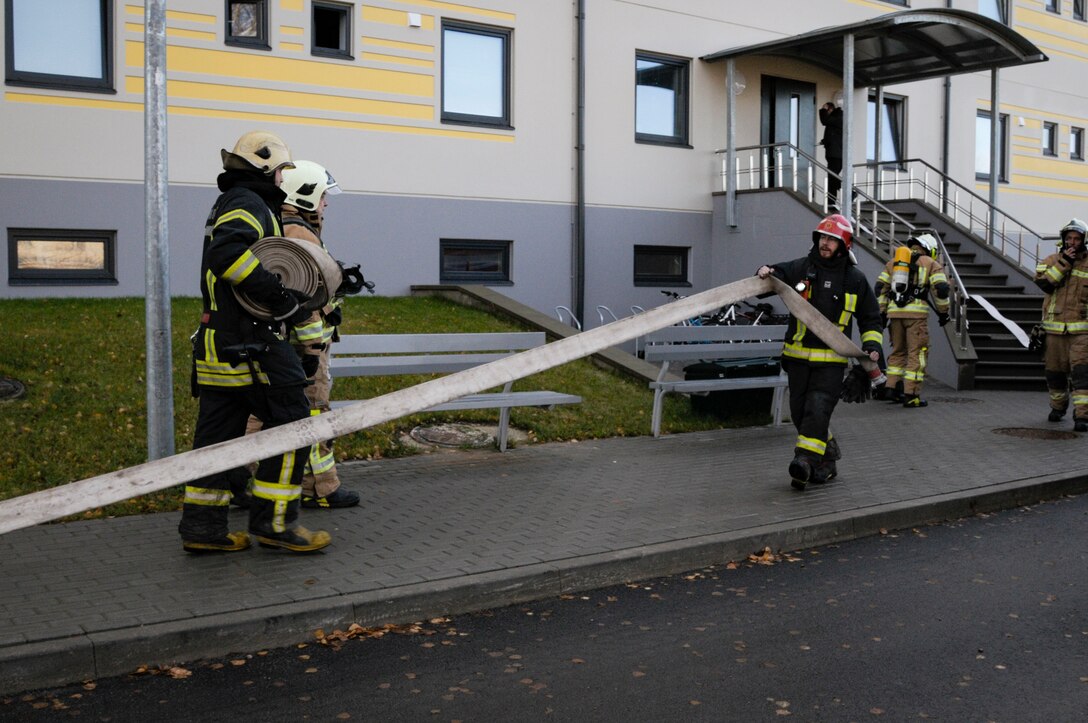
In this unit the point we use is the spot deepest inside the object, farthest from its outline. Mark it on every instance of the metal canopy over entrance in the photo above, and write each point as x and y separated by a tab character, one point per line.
894	48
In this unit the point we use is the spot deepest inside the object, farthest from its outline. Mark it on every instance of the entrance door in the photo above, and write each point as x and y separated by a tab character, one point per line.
789	116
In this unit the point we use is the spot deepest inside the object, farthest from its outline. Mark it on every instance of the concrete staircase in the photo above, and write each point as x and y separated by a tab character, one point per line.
1003	363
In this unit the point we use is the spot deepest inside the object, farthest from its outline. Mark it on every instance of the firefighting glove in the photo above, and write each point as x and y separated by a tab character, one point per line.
856	387
942	317
301	314
310	363
334	317
883	320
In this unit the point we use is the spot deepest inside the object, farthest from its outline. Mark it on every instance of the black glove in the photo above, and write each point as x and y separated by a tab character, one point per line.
310	363
301	314
942	317
334	317
883	320
856	387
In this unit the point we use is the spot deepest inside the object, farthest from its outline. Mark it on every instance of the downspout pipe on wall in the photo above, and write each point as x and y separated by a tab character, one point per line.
579	246
946	127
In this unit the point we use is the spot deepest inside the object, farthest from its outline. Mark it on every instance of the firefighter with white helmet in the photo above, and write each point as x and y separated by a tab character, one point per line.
1063	276
909	284
307	187
243	365
829	279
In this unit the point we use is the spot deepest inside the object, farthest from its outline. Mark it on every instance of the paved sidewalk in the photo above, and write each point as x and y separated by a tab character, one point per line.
451	532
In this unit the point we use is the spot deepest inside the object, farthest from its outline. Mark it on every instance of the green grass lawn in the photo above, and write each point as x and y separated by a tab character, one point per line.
84	413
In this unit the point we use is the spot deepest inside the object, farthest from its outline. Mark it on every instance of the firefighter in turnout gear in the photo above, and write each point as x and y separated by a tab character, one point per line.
910	282
830	280
1064	278
243	365
307	186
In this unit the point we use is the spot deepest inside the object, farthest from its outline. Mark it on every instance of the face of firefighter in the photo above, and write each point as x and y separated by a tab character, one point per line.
829	246
1073	240
277	177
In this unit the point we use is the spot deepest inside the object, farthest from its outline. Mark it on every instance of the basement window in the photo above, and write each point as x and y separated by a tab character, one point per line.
662	265
50	257
475	261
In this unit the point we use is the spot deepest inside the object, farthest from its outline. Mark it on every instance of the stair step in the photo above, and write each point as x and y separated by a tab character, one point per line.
1013	384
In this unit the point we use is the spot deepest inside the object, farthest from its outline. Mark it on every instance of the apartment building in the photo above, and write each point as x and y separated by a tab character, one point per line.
565	152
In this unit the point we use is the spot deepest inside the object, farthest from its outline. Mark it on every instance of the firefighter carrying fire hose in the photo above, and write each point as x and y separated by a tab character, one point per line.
910	283
244	365
829	279
1064	278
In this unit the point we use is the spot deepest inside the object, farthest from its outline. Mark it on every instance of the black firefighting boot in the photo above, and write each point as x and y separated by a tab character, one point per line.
1080	425
825	470
339	497
1055	415
913	401
894	395
295	539
801	470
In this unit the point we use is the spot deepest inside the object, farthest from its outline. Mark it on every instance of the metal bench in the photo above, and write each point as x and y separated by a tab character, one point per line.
357	355
714	343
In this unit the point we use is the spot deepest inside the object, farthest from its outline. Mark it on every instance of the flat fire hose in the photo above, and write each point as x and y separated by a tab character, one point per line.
300	265
76	497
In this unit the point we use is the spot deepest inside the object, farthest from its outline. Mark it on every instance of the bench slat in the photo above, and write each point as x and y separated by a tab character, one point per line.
436	343
746	350
369	366
496	400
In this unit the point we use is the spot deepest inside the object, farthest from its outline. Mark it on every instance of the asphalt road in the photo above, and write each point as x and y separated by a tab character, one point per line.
984	619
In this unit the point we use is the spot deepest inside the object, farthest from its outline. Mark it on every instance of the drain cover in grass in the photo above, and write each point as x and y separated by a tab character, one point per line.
11	389
453	435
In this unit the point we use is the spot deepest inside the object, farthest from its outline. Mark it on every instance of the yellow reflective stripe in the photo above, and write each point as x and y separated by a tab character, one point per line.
912	307
849	306
812	444
1054	327
308	332
273	491
209	346
895	371
938	278
1080	400
1080	274
327	333
1076	327
206	496
320	463
884	277
241	215
801	329
798	351
277	230
877	336
209	281
241	268
1054	273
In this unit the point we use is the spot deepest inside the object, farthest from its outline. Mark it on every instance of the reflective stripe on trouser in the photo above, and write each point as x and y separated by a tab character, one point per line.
223	415
910	347
1057	370
814	392
321	479
1078	375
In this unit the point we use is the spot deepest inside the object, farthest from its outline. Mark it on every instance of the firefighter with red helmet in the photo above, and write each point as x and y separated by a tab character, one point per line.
829	279
1064	278
904	289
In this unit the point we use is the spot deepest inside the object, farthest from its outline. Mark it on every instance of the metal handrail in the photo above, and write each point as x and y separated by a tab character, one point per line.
1011	238
765	158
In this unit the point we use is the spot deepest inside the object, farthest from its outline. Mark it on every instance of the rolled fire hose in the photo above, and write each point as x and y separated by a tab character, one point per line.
300	265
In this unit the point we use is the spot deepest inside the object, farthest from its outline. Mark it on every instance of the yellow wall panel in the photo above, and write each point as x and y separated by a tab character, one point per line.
191	17
457	8
134	27
292	30
383	58
293	47
1049	165
191	34
222	63
78	102
134	10
291	4
398	45
393	17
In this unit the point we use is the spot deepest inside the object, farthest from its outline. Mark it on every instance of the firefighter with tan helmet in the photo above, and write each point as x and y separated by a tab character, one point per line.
243	364
911	282
1063	276
829	279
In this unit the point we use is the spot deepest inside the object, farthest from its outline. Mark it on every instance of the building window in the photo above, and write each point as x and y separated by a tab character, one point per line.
76	54
247	23
478	262
982	146
1078	9
661	265
331	30
995	10
1050	138
1076	144
1054	6
56	256
892	132
661	99
475	75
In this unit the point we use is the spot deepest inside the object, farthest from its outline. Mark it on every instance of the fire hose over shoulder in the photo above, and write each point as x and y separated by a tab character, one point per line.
301	266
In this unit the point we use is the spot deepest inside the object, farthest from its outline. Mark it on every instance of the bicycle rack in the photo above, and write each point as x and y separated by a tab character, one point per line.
602	310
559	311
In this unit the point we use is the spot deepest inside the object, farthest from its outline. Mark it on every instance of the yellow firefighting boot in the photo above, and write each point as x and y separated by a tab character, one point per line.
295	539
231	542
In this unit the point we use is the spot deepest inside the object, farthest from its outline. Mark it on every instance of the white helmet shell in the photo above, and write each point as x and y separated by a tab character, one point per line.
927	241
257	149
306	183
1075	225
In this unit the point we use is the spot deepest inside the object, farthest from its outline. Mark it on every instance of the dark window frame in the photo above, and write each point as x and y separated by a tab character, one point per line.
1078	10
1003	147
1002	10
1076	143
502	277
1050	148
106	276
681	104
504	119
260	41
682	279
102	84
1053	6
345	12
